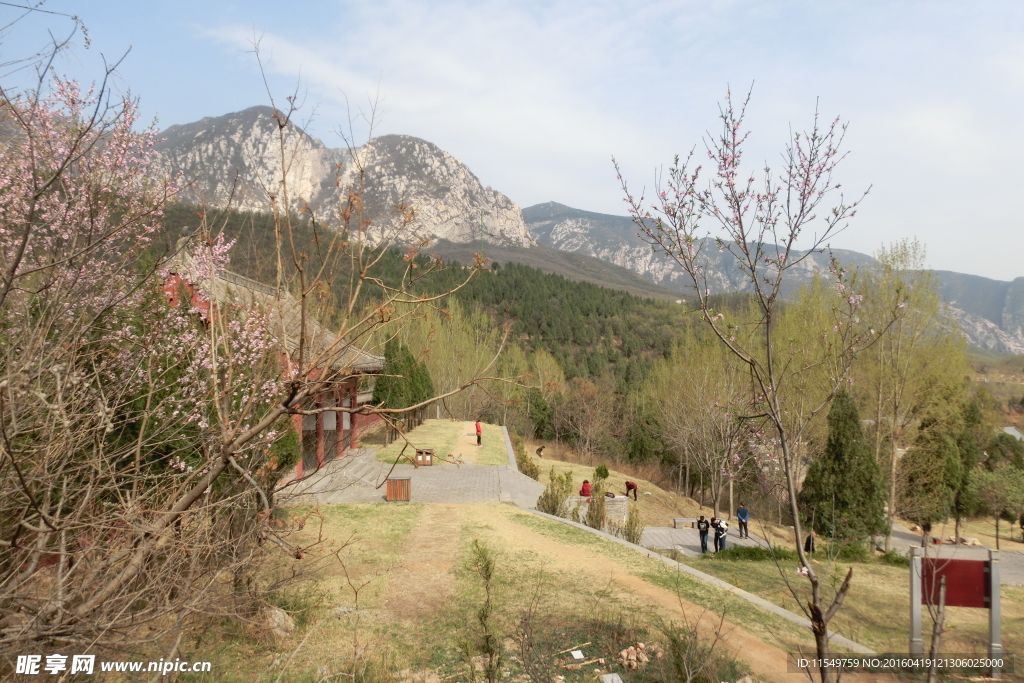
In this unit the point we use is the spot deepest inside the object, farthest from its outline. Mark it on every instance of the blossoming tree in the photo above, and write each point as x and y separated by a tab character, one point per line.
136	438
762	223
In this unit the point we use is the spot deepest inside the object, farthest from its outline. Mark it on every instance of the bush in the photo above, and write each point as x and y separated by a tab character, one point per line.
601	472
524	462
633	531
894	559
555	498
595	508
849	551
752	553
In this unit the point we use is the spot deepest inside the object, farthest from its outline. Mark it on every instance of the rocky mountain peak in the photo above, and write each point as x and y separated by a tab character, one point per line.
236	159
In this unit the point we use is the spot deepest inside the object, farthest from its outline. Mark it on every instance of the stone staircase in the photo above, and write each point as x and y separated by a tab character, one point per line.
515	487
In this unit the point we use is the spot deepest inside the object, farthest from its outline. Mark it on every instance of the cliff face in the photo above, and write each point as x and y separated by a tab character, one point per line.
237	159
614	239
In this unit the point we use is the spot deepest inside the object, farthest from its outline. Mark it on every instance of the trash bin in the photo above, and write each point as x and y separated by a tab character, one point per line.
424	456
399	489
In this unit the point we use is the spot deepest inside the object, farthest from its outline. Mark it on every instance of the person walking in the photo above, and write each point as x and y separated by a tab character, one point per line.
702	528
809	543
631	486
714	530
743	515
479	433
721	533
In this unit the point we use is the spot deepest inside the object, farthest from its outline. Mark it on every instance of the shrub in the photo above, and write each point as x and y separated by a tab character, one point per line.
601	472
595	509
894	559
524	462
849	551
633	530
753	553
555	498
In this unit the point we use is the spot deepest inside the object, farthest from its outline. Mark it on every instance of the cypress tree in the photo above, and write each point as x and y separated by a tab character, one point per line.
932	472
843	495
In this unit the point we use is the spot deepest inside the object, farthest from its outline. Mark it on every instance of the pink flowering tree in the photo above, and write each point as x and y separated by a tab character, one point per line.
136	438
769	223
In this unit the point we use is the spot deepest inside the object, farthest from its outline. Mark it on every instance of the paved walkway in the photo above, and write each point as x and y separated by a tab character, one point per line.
687	540
359	478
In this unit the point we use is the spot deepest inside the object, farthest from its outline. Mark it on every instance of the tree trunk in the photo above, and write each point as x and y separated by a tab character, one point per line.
731	506
997	532
940	617
891	512
956	531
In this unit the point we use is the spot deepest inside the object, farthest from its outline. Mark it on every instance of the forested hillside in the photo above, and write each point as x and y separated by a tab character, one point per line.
590	330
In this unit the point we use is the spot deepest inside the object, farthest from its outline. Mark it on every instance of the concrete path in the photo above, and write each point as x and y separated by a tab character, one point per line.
356	477
714	581
687	540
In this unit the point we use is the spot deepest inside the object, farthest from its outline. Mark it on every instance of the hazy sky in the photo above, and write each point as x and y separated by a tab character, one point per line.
536	97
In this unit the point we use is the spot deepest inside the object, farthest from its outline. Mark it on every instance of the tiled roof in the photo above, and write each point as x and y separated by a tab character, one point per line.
286	320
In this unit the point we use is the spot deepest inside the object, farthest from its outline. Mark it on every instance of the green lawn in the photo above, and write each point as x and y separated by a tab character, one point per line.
452	438
876	610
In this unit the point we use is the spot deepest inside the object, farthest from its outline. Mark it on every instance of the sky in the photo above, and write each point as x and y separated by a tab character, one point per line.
536	97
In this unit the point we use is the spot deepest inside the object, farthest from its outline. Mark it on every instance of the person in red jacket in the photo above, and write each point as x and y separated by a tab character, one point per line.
479	434
631	486
585	489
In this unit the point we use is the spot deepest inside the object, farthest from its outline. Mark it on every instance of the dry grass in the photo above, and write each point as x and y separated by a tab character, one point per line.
983	529
454	440
420	598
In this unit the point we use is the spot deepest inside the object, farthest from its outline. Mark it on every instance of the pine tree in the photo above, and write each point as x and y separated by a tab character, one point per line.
931	472
541	415
843	495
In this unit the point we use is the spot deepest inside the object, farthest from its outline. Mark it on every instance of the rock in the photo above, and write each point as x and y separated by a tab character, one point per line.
746	679
278	622
647	493
971	541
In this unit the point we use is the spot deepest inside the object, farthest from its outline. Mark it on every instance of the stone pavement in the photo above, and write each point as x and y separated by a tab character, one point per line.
359	478
687	540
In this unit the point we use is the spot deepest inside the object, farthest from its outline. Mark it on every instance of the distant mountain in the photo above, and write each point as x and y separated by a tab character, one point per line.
573	266
614	239
237	158
990	312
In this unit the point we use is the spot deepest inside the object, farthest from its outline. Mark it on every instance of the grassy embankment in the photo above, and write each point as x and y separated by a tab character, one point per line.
875	612
421	602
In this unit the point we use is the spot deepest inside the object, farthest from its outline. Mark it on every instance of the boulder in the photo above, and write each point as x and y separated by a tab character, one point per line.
278	622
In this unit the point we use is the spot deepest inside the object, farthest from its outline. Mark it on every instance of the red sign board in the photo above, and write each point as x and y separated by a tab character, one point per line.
966	582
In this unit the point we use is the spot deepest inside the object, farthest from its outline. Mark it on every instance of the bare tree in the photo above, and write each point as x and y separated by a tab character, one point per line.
760	224
585	413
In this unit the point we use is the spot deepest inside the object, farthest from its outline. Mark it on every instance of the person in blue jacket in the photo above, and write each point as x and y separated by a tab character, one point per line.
743	515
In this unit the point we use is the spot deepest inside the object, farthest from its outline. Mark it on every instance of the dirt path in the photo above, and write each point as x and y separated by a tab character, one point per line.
425	576
767	662
465	443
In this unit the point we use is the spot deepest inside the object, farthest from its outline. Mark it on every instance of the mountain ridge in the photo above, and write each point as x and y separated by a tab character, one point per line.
236	159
